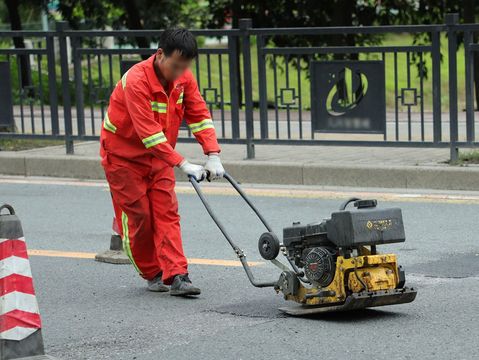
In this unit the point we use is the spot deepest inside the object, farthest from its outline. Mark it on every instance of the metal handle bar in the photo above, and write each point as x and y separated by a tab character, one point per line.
243	195
235	247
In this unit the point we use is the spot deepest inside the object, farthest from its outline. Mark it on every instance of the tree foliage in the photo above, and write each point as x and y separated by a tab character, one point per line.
314	13
131	14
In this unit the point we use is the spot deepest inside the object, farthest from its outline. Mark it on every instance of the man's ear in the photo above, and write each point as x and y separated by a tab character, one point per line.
159	54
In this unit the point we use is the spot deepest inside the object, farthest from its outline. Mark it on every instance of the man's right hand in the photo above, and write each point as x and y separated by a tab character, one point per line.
197	171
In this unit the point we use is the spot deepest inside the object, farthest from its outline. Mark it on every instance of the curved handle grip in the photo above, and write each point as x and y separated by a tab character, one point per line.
192	178
350	200
8	207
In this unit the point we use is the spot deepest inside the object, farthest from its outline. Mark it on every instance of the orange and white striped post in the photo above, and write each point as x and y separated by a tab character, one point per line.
20	322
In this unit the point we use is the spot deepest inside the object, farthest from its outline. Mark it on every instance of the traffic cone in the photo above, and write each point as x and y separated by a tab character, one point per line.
115	255
20	322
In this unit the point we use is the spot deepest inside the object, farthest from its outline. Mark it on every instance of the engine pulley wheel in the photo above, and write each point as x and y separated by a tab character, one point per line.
268	246
320	265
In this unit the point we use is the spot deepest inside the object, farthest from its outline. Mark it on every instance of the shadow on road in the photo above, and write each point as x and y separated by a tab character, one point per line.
357	315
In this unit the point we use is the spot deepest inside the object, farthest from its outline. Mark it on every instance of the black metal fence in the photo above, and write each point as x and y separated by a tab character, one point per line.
394	93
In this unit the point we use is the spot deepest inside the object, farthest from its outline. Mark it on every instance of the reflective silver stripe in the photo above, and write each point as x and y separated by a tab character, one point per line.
108	125
123	79
158	106
180	99
154	139
202	125
126	240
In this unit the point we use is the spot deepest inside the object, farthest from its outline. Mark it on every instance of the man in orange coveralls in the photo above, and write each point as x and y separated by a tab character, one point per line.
138	139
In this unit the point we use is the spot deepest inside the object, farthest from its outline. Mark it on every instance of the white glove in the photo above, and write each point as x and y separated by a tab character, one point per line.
214	167
197	171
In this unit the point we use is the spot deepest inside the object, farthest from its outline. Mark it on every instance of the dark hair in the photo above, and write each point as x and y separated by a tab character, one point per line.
180	40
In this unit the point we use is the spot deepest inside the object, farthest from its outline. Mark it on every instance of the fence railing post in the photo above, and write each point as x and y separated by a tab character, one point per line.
263	91
52	84
78	77
244	25
436	87
61	26
469	74
7	120
234	96
451	21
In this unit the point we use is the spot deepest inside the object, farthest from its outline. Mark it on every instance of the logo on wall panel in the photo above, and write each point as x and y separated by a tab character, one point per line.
348	96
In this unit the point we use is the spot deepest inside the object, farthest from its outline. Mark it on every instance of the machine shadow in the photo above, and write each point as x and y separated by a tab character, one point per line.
362	315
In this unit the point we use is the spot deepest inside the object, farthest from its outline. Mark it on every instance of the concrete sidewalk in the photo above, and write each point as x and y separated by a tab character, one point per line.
277	164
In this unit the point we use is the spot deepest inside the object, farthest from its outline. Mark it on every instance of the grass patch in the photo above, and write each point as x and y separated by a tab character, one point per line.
469	157
26	144
466	158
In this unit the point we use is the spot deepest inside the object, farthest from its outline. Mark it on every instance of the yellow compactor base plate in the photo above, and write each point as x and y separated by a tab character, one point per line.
357	301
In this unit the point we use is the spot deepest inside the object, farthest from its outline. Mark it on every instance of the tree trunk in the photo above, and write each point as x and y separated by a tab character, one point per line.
16	24
134	23
343	16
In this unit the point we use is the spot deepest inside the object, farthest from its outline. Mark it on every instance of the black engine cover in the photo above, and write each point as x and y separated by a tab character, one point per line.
314	246
371	226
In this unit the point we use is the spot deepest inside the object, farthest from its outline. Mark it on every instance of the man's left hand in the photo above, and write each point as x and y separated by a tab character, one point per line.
214	167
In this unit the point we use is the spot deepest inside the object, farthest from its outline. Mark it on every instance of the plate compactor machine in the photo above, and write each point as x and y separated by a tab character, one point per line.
333	264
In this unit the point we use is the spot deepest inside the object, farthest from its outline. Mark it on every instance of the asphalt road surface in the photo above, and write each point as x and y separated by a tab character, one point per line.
93	310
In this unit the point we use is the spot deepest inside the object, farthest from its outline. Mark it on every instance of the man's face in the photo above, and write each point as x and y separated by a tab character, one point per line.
172	66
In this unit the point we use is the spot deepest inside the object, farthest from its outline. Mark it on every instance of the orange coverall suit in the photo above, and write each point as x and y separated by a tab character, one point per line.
138	138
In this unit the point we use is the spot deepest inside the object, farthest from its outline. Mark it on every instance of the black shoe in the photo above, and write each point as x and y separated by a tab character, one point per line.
157	284
182	286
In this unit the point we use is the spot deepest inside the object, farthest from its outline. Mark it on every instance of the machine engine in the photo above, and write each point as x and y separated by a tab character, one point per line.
348	233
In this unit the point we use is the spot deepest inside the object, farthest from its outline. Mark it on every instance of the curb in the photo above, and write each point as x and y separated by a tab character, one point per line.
263	172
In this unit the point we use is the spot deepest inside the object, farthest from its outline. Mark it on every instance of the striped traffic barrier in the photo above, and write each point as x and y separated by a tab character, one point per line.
20	322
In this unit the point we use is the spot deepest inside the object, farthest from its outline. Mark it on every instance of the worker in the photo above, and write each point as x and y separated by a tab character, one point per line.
138	139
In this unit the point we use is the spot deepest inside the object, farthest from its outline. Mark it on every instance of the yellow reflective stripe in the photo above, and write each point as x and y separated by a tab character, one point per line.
158	107
202	125
126	240
108	125
154	139
123	79
158	104
180	99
